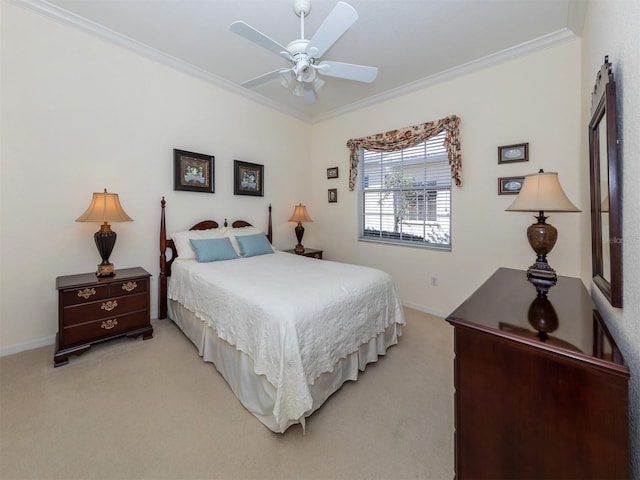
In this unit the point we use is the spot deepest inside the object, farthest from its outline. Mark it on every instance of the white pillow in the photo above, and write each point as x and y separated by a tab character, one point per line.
232	233
183	246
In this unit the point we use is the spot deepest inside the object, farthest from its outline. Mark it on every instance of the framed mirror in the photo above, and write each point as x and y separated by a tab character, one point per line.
606	225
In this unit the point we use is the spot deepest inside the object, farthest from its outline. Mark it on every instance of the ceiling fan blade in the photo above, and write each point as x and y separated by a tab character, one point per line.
339	20
250	33
267	77
348	71
309	95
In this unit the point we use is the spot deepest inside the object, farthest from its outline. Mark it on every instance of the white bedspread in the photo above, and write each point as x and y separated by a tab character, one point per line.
294	316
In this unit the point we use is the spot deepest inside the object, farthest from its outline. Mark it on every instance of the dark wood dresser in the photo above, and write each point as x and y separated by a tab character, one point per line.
92	310
541	389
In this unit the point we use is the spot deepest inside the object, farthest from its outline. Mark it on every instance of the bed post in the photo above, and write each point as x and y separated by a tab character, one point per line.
162	284
270	229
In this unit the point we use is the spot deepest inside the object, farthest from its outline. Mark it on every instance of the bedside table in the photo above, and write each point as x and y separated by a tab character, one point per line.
93	310
308	252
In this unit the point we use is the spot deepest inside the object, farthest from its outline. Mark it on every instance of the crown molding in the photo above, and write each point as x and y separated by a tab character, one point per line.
561	36
69	18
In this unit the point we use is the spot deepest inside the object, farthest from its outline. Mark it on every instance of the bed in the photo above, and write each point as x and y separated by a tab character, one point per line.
284	330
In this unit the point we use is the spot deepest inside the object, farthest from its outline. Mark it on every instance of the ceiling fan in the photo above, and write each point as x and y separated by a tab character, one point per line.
301	76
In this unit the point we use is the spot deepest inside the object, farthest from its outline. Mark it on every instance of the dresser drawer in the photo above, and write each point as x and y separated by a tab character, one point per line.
102	309
128	287
84	294
104	328
92	293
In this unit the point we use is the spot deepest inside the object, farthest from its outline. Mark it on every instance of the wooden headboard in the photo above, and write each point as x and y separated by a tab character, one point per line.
166	243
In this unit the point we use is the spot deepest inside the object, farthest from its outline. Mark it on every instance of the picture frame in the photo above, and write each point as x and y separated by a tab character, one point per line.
518	152
510	185
248	178
332	195
193	172
332	172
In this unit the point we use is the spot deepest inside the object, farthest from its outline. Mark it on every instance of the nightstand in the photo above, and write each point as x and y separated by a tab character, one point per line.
308	252
93	310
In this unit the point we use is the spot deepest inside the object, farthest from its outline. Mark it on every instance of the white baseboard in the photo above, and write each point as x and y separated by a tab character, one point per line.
424	309
21	347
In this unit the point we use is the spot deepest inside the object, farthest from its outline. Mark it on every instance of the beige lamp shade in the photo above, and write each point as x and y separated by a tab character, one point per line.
105	207
300	214
542	192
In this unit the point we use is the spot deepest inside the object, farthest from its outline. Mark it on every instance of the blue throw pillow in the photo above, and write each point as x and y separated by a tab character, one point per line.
252	245
213	249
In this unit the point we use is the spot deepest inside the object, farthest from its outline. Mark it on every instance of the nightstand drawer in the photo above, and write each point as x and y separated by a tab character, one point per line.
106	327
85	294
98	292
129	287
104	309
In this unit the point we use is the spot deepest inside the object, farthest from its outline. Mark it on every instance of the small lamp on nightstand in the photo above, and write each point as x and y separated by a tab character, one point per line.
542	192
300	215
105	207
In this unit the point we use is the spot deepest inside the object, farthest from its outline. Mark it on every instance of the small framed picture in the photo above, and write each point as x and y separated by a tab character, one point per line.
248	179
513	153
333	195
510	185
193	172
332	172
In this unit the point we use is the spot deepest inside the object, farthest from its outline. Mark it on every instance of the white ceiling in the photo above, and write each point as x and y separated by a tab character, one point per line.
412	42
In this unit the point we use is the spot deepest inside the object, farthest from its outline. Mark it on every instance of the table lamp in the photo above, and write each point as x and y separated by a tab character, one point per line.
542	192
300	215
105	207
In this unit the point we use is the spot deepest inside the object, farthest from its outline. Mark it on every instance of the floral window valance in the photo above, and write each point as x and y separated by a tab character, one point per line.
408	137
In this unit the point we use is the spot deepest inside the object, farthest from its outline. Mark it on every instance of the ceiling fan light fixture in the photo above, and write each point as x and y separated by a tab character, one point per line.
303	70
318	83
286	78
298	89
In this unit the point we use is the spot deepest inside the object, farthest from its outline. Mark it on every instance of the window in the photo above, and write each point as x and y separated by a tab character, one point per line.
405	195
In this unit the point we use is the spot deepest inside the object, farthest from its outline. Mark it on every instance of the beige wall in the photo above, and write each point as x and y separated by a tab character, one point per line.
611	28
80	114
534	99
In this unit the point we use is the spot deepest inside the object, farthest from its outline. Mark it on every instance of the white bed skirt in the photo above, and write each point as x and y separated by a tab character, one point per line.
254	391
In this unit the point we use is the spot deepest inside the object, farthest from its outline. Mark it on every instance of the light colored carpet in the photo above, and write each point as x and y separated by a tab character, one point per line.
153	410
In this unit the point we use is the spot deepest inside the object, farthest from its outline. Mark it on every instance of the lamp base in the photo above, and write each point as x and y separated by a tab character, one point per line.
542	237
106	270
299	233
105	239
542	276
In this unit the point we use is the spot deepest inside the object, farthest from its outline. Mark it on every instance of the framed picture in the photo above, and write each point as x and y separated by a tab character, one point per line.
333	195
510	185
248	178
193	172
513	153
332	172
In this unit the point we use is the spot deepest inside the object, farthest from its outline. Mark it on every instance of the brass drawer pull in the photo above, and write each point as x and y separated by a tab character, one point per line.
86	293
129	286
109	324
110	305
